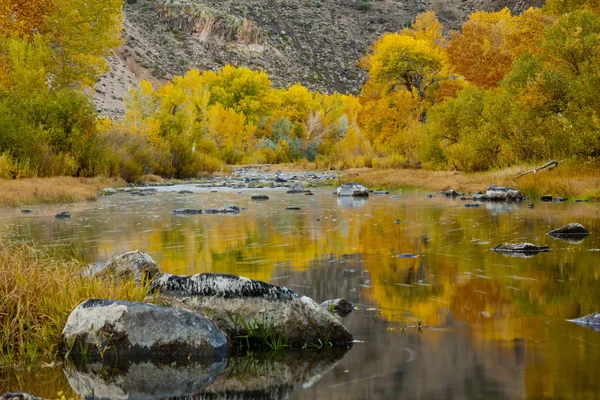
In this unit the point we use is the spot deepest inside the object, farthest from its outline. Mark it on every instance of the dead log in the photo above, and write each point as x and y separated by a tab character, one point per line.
550	164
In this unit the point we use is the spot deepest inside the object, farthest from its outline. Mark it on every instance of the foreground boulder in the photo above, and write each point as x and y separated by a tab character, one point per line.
520	248
352	189
503	193
240	306
570	229
136	264
127	330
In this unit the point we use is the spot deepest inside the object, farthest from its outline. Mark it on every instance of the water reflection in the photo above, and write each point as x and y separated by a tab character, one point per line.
493	326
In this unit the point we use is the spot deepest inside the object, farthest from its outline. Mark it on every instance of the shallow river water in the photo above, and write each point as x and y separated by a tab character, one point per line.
492	326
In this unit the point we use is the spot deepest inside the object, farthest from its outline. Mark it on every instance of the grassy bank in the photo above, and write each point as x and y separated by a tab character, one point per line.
566	180
37	293
18	192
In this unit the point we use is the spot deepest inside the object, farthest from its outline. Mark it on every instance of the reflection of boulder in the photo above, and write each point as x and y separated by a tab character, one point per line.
128	330
143	380
273	378
240	306
500	207
351	202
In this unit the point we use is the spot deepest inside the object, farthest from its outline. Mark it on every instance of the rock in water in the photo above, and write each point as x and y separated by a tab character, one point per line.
136	264
228	209
502	193
546	198
342	307
591	319
260	197
520	248
296	189
186	211
236	303
136	331
63	215
352	189
108	192
570	229
478	196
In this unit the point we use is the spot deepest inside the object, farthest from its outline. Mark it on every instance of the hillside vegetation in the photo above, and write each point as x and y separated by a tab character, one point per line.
505	89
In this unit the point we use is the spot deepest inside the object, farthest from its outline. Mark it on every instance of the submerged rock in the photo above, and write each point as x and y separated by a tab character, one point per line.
127	330
260	197
143	380
136	264
525	248
187	211
237	303
352	189
503	193
108	192
570	229
341	307
63	215
228	209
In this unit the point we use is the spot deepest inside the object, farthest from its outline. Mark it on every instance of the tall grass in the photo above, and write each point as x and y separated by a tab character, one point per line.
18	192
37	294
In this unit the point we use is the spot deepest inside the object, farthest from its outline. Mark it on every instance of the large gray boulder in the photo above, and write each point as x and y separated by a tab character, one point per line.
134	264
240	305
503	193
127	330
352	189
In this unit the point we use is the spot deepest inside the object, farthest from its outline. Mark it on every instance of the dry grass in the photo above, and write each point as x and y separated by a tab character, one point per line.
37	294
565	180
18	192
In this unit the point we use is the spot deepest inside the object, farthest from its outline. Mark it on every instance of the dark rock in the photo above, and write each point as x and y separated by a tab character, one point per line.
185	192
186	211
293	208
546	198
140	331
381	192
352	189
530	205
466	198
136	264
341	307
280	180
228	209
63	215
26	211
450	193
469	205
430	196
502	193
309	193
524	248
408	255
234	303
581	201
260	197
570	229
397	221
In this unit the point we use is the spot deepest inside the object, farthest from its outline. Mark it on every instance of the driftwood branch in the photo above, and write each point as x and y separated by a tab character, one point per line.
550	164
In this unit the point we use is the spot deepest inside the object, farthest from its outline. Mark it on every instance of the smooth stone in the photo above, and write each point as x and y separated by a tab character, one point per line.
581	201
185	192
309	193
381	192
227	209
520	248
450	193
293	208
502	193
235	303
395	197
140	331
560	199
26	211
408	255
341	307
108	192
260	197
186	211
136	264
352	189
573	228
471	205
63	215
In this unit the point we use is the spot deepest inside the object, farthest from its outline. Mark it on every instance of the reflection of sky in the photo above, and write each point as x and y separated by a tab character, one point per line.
489	320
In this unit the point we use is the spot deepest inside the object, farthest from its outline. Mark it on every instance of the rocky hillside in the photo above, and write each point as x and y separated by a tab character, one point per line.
315	42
